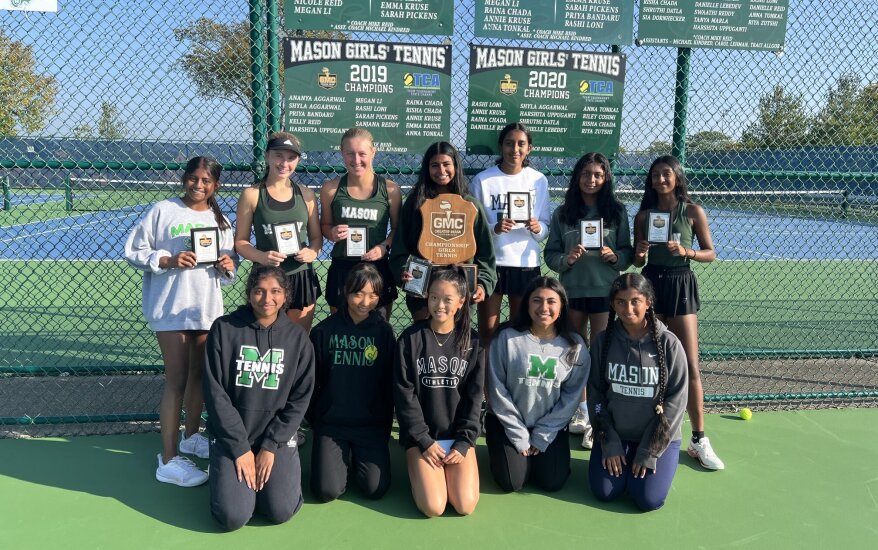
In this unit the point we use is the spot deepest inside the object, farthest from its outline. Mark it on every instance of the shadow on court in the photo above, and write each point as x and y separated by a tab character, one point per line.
124	471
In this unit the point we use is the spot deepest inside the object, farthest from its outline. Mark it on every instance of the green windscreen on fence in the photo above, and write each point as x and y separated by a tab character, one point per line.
781	148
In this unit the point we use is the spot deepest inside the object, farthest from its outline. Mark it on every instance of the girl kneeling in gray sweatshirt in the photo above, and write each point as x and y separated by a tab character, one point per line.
537	368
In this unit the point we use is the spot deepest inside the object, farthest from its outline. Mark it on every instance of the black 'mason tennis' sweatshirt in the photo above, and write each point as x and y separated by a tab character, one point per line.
437	389
257	382
353	374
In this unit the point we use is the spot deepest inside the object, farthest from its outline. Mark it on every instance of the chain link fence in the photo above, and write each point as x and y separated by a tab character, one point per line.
102	103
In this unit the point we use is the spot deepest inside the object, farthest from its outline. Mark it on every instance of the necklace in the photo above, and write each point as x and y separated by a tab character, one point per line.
447	337
541	342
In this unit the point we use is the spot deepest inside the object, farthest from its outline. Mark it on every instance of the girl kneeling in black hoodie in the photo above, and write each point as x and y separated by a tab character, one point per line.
352	407
258	379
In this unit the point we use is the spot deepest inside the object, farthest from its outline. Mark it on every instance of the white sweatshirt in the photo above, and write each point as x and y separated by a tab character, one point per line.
177	299
519	247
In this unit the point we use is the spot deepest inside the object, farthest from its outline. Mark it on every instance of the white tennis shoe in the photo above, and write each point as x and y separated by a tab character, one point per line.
196	444
180	471
703	451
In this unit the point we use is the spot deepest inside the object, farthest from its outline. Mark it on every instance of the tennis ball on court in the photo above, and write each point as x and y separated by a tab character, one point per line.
745	413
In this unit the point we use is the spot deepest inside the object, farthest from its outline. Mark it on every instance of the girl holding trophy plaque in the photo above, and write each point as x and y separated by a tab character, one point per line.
664	232
516	198
589	245
441	173
282	215
184	248
355	211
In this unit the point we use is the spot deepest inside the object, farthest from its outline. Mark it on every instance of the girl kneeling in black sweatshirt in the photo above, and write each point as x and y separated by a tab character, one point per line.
352	407
439	373
258	379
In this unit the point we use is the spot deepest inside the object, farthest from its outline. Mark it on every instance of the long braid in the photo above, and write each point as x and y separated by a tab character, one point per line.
597	421
661	435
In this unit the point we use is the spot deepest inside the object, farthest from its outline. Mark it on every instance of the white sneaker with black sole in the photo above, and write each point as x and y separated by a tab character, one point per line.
180	471
196	444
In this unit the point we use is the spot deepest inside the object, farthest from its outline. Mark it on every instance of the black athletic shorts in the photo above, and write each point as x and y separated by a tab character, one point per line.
513	281
676	290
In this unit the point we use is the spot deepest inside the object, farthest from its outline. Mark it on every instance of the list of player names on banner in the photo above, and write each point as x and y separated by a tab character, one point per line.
746	24
431	17
592	21
399	92
570	101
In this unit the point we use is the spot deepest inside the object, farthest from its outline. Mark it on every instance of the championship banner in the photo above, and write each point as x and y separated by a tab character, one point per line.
399	92
744	25
431	17
595	22
570	101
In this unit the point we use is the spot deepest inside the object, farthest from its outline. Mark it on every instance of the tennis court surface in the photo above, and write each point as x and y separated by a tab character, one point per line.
793	479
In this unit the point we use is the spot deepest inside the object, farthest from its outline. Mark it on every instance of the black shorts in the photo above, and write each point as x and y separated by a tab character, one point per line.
590	304
513	281
306	288
676	290
338	273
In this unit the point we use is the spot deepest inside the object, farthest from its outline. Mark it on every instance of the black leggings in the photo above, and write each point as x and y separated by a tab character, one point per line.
232	503
331	458
548	470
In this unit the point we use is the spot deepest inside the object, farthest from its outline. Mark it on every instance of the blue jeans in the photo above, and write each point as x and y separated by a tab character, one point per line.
650	492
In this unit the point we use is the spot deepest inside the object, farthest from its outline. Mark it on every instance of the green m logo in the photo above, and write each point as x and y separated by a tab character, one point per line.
542	368
264	368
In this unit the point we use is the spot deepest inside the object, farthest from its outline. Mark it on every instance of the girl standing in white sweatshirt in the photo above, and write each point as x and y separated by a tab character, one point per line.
181	299
516	244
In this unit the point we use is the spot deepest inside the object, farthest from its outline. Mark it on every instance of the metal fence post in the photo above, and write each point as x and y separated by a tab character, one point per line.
257	86
274	120
681	105
7	195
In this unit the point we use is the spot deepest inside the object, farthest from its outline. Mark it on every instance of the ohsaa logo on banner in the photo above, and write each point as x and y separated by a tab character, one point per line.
326	80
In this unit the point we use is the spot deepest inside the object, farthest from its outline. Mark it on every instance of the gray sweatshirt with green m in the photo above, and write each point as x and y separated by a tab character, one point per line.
534	386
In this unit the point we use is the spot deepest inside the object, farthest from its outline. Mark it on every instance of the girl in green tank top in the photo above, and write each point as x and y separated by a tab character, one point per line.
666	189
278	199
359	198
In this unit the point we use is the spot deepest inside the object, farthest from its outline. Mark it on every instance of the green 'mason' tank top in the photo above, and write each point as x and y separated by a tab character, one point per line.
372	213
658	253
264	216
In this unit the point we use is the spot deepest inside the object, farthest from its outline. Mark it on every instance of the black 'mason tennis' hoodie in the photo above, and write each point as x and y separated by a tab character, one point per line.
624	391
257	382
437	389
353	374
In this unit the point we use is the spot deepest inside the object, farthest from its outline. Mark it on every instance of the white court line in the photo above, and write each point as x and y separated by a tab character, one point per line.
64	228
753	253
785	259
61	218
59	260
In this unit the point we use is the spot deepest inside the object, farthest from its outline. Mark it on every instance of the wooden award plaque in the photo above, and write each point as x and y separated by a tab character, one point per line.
447	236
